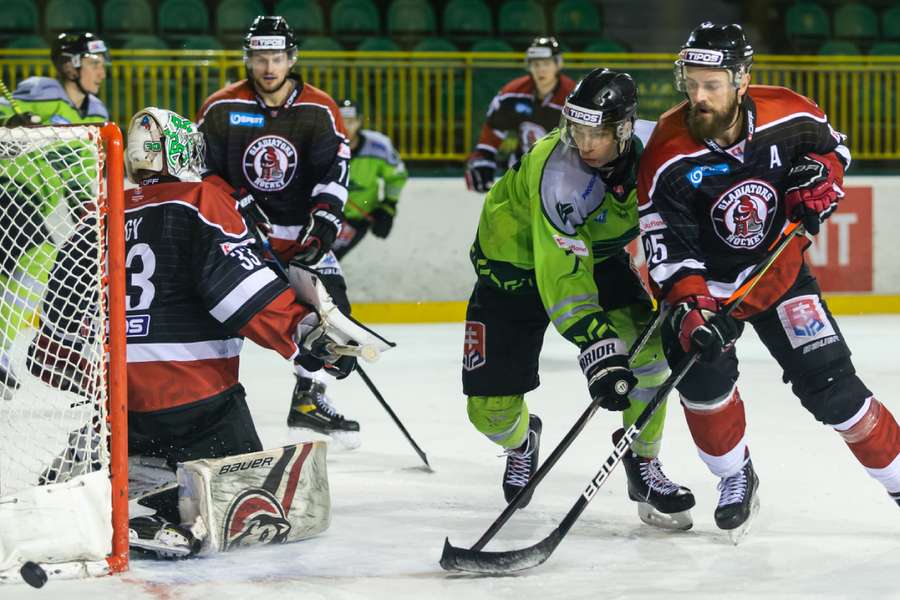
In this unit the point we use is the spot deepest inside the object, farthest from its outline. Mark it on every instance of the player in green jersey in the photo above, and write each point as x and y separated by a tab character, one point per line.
374	164
46	181
550	247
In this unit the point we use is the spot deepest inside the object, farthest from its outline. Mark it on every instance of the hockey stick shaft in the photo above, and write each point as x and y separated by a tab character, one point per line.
393	415
563	445
13	103
475	560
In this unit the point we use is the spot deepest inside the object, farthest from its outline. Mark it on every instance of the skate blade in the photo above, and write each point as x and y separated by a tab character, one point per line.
679	521
348	440
738	534
344	440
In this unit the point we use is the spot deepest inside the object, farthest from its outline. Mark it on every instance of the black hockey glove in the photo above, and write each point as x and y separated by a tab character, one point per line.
315	354
812	192
605	364
383	220
22	119
702	327
318	237
253	215
480	172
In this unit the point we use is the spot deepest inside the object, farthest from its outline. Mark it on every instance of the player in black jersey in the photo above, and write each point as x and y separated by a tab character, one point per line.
722	176
528	106
283	141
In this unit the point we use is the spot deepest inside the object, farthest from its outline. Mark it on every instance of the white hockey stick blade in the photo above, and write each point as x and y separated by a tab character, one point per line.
367	352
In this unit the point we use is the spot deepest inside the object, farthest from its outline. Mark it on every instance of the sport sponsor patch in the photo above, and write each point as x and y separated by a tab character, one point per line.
804	320
137	325
228	247
576	247
695	176
652	222
267	42
585	116
269	163
703	57
96	47
742	216
475	346
240	119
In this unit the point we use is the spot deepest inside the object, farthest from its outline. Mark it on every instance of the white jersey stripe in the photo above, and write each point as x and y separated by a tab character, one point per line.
662	272
190	351
333	188
286	232
241	294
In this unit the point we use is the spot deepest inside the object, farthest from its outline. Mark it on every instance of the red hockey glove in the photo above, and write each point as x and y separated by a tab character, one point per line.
812	192
605	364
318	237
480	172
702	327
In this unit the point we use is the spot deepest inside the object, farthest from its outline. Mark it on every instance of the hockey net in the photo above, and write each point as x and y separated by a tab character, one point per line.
63	447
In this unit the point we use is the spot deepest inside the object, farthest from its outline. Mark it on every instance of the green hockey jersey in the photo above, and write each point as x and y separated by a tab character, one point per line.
374	161
46	98
548	221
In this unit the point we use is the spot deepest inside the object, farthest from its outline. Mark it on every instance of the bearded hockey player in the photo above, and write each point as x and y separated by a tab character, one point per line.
721	177
374	165
551	247
80	61
197	286
528	106
282	140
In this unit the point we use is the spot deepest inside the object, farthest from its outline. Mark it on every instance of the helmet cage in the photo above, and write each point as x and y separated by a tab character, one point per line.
708	59
574	117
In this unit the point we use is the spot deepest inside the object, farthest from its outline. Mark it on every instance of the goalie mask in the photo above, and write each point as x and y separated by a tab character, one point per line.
715	47
603	100
162	142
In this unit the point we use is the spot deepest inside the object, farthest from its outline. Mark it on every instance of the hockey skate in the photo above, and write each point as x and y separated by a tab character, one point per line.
8	383
661	502
81	456
310	409
522	462
738	502
158	538
895	496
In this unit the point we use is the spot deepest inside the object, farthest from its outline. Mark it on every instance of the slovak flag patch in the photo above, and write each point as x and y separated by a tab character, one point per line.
804	320
475	347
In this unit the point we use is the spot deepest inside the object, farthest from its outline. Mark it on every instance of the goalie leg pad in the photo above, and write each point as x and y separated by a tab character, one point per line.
269	497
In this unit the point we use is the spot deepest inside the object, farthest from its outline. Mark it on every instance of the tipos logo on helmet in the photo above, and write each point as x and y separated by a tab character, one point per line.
267	42
742	216
255	516
584	116
704	58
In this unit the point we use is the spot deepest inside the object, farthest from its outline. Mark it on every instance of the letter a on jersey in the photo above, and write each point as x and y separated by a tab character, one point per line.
774	159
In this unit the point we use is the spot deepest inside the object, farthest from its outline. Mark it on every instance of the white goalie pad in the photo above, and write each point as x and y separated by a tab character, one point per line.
352	336
269	497
56	523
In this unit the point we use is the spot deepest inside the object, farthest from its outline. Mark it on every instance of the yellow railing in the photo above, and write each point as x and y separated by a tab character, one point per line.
432	103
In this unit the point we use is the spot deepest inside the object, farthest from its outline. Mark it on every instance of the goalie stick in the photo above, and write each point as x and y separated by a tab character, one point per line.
476	560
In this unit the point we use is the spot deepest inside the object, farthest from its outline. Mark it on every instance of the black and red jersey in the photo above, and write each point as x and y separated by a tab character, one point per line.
516	107
196	285
291	158
713	212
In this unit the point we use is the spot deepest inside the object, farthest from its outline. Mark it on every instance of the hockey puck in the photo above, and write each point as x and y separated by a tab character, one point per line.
33	574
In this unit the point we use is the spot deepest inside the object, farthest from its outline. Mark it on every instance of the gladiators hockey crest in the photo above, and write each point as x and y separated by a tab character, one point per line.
269	163
742	216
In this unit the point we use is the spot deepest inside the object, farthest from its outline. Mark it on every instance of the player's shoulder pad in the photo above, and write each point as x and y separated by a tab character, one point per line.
40	88
669	142
96	108
775	104
239	90
519	85
213	205
311	95
643	129
565	87
378	145
570	190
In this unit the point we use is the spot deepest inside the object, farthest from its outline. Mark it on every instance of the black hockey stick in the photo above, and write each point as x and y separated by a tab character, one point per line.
390	411
557	453
476	560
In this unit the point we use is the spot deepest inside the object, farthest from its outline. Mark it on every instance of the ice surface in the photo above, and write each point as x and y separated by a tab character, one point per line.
825	530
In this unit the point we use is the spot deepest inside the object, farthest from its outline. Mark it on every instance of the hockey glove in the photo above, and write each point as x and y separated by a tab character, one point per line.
702	327
812	192
319	235
383	220
605	364
22	119
315	353
480	172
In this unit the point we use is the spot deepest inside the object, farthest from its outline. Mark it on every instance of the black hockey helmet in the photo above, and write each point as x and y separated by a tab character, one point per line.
716	47
270	33
543	47
603	98
71	47
349	109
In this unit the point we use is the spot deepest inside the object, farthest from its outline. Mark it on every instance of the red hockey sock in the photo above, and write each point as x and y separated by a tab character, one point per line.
718	432
874	438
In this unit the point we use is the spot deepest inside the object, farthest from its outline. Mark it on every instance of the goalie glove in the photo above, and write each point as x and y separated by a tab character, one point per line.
22	120
315	351
318	237
605	365
812	193
480	172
